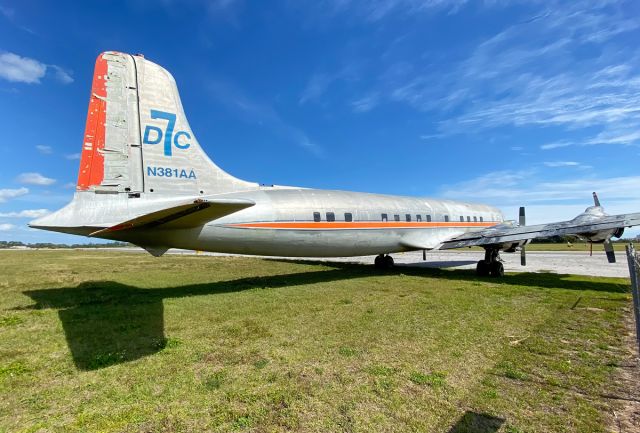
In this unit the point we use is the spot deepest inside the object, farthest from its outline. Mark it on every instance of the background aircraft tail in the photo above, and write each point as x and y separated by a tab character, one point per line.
137	139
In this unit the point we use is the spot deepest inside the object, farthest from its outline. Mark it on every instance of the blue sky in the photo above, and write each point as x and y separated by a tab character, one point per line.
511	103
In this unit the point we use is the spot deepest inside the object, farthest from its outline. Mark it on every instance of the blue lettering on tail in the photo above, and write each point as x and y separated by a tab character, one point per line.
170	139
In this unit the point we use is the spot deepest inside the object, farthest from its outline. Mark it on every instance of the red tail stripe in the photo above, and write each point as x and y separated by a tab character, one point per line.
91	160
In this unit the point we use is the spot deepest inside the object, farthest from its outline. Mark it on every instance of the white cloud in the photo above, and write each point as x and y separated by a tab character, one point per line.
45	150
556	145
316	87
366	103
35	179
27	213
21	69
376	10
531	187
7	12
61	75
6	227
562	164
534	73
6	194
18	69
548	201
72	156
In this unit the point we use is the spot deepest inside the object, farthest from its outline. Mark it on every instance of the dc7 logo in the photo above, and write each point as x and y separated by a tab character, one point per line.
170	139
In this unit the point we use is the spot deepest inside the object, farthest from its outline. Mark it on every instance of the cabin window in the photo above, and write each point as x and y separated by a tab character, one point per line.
475	219
384	217
348	217
316	217
407	217
331	217
446	218
419	218
428	218
396	217
481	219
461	219
468	219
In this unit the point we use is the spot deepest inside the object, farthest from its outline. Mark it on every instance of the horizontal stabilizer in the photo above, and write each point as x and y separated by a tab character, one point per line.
189	215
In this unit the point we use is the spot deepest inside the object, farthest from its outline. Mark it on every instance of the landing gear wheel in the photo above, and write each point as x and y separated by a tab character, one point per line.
482	268
383	262
497	269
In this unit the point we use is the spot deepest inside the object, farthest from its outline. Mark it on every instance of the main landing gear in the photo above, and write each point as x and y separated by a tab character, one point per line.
383	262
491	265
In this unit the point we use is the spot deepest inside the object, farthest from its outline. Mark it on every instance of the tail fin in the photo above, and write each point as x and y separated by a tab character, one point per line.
137	138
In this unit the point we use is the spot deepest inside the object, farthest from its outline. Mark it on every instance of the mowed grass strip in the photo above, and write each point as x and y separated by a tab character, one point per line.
112	341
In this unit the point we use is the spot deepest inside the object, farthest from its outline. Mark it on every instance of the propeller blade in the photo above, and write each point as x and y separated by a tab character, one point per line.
611	254
596	201
523	252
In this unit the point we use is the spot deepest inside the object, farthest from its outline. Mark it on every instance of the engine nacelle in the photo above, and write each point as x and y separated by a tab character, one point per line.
594	214
512	247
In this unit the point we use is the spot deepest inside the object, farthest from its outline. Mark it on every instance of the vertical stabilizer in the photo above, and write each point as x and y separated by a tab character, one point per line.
137	138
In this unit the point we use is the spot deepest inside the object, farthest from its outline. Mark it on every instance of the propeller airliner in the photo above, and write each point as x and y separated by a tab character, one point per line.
145	179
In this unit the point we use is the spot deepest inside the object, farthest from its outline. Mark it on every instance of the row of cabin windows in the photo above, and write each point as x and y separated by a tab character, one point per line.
475	219
331	217
348	217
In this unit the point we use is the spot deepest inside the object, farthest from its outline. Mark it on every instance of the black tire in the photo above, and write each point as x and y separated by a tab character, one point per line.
497	269
379	262
482	268
388	262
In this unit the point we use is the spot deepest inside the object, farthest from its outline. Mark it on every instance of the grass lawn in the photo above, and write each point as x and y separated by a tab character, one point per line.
111	341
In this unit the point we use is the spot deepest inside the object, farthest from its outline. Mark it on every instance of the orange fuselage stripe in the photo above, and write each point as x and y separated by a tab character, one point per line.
359	225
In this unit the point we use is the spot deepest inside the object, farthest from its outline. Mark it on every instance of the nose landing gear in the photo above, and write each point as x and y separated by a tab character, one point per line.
491	265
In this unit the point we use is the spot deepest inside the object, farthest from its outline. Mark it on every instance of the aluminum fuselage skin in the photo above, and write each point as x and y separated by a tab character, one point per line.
281	223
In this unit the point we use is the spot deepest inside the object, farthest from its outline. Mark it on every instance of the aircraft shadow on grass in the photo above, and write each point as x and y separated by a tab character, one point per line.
107	323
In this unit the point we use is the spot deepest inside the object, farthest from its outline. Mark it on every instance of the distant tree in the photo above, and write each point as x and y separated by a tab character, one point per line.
49	245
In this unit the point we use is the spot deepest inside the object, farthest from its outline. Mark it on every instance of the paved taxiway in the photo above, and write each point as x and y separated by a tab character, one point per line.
579	263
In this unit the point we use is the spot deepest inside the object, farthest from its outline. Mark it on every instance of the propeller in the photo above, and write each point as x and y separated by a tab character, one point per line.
608	247
523	252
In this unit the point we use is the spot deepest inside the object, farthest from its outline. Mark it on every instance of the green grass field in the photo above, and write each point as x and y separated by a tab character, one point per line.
109	341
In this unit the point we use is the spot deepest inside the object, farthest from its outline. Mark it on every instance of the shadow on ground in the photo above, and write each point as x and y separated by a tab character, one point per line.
472	422
107	323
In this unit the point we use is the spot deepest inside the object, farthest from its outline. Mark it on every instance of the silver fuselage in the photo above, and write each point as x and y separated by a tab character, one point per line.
282	222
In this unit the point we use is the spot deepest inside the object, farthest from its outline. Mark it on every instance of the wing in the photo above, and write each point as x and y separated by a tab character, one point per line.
593	225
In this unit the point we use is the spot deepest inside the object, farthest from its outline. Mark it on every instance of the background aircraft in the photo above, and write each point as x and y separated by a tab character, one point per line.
144	179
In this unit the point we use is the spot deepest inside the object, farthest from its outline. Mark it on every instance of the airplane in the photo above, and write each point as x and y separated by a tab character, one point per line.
145	179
